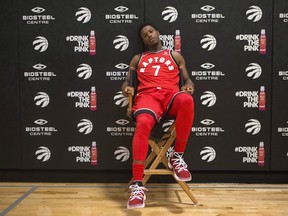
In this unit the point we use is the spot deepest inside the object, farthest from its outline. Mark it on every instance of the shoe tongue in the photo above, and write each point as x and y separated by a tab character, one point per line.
176	154
139	183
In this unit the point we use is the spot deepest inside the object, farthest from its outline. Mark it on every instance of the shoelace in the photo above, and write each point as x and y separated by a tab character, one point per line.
179	162
137	192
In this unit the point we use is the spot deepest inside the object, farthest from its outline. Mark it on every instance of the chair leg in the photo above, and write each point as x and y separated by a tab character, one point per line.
187	190
160	150
155	163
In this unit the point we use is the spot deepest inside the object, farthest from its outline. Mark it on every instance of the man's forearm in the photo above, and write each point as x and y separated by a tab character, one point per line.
124	85
189	81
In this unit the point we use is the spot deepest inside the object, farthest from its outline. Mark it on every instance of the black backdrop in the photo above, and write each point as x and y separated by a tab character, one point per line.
47	74
10	152
279	144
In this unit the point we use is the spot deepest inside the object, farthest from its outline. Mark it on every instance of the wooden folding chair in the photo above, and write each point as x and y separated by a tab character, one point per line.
159	148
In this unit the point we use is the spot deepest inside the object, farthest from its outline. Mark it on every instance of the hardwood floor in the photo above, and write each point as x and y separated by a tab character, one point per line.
46	199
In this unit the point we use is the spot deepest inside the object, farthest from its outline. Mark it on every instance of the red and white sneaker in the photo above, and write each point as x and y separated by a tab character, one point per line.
178	165
137	197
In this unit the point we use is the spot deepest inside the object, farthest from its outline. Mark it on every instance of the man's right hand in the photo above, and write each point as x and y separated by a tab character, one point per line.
128	90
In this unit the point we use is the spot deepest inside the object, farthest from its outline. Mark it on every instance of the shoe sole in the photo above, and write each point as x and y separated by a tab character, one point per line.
135	207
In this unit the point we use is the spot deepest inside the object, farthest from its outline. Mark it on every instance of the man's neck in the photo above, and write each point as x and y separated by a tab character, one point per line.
156	48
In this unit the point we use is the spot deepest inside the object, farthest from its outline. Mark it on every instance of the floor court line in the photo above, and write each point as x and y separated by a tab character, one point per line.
150	186
16	202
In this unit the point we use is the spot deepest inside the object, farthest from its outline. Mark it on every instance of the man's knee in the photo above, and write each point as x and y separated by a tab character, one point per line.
185	101
145	122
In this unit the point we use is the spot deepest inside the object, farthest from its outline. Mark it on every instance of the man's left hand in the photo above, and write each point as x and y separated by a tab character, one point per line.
188	88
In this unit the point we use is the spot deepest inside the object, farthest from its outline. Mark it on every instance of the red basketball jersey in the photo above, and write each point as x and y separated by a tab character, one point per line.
157	70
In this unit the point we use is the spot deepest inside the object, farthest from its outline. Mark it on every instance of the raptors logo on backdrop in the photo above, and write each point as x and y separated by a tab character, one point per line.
83	15
85	126
43	154
122	154
121	43
208	98
170	14
208	42
84	71
170	152
253	126
254	70
120	99
40	44
208	154
166	125
42	99
254	13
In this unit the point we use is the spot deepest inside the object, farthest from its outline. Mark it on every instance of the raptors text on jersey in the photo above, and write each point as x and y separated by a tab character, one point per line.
157	70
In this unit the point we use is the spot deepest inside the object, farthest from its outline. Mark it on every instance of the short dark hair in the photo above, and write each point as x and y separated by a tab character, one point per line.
144	25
